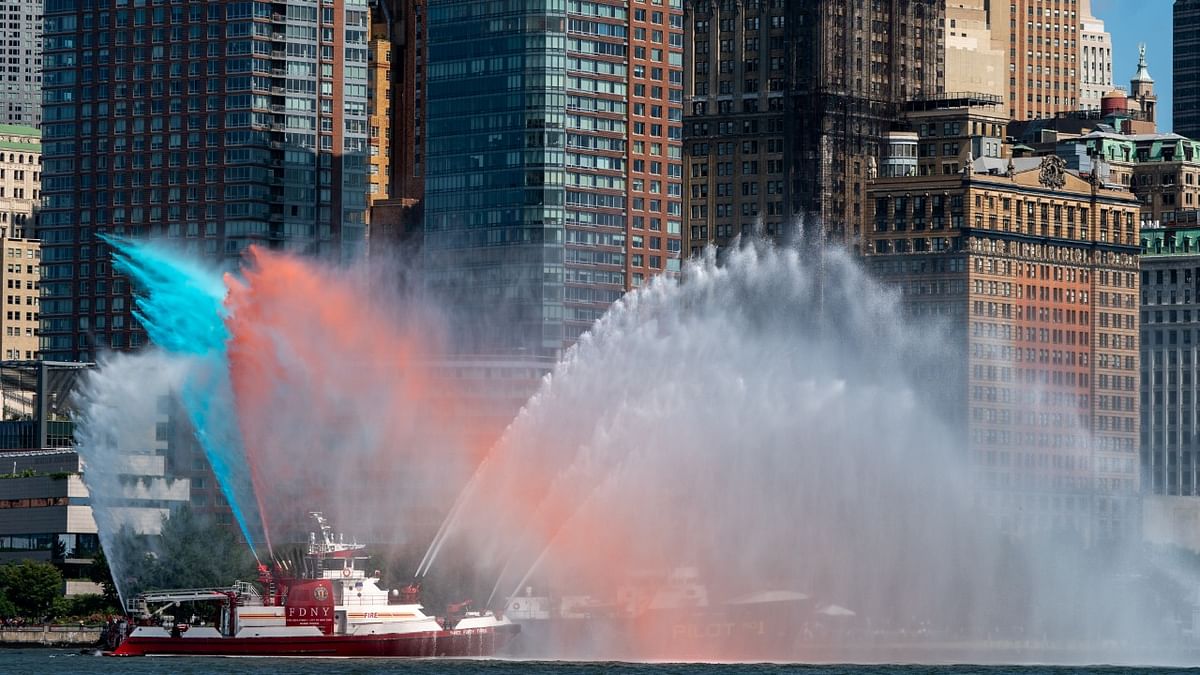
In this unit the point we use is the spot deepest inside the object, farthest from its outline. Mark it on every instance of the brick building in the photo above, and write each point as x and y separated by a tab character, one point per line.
1034	270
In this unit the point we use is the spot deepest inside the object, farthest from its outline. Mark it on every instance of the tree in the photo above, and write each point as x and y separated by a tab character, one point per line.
31	586
100	573
7	608
196	552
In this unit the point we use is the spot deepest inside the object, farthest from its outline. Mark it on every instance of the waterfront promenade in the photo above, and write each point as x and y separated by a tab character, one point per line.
49	636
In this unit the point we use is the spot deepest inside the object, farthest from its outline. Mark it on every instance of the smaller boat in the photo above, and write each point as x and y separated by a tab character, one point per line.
333	608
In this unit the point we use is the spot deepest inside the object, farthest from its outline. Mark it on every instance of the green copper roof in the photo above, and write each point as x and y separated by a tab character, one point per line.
9	129
1175	241
34	144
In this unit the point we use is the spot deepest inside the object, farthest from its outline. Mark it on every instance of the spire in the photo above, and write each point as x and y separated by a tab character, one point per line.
1142	75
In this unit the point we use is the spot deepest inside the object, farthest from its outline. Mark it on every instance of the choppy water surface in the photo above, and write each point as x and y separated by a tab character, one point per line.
62	661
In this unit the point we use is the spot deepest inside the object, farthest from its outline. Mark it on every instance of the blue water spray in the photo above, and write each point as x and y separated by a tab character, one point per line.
181	305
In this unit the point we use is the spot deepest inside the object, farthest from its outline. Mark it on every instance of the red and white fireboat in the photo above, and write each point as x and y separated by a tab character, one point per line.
330	608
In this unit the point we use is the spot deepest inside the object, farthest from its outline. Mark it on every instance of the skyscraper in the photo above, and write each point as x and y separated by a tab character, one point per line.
397	129
787	106
212	125
1043	55
553	172
1095	63
21	56
1186	73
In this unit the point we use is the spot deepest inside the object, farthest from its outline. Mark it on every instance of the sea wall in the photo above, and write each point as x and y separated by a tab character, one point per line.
49	636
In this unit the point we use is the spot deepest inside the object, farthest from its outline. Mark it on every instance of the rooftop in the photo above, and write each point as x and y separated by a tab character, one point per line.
19	130
15	137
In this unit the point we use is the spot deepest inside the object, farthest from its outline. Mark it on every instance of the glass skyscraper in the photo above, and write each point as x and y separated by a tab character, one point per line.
495	175
213	125
553	178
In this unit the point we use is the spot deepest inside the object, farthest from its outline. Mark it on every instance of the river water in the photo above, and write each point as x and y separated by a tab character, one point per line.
42	661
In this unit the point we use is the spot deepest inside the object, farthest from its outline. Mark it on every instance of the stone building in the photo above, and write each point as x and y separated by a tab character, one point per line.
20	197
1034	270
1095	63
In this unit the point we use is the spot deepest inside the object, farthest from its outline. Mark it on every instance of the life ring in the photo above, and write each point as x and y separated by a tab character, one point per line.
516	605
345	572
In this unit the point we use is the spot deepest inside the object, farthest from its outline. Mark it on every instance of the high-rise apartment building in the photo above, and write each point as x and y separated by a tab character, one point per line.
379	105
553	170
1043	47
21	58
398	137
1034	272
1186	69
213	125
1095	62
787	104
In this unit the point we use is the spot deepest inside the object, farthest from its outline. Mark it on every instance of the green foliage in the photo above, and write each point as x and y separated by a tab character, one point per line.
195	552
7	608
100	573
31	587
89	608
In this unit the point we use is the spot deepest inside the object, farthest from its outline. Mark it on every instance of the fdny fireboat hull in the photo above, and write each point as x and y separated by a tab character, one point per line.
452	643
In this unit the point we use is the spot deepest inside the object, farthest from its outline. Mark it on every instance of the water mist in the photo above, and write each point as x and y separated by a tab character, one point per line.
776	423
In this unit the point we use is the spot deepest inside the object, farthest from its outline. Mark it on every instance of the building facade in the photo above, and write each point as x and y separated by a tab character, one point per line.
20	178
379	106
1095	62
787	106
1185	75
1162	170
553	172
20	195
215	126
398	138
1043	48
976	61
1170	318
1035	270
21	274
954	129
21	77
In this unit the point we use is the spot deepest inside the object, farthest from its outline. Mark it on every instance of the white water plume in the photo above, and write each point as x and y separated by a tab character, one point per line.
775	428
121	405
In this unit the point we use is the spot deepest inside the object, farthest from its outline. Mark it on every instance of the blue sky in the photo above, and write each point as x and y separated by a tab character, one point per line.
1134	21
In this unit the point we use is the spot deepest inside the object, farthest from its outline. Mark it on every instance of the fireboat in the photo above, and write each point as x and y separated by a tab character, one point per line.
330	608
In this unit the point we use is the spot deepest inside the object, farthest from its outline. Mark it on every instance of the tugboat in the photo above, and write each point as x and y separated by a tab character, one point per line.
330	608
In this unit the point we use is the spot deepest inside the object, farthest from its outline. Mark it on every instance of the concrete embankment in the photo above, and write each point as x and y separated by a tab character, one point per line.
49	636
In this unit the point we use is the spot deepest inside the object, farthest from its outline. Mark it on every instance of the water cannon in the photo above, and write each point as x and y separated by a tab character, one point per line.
410	594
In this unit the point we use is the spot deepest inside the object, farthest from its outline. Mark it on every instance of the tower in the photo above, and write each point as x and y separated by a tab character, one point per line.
1141	87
